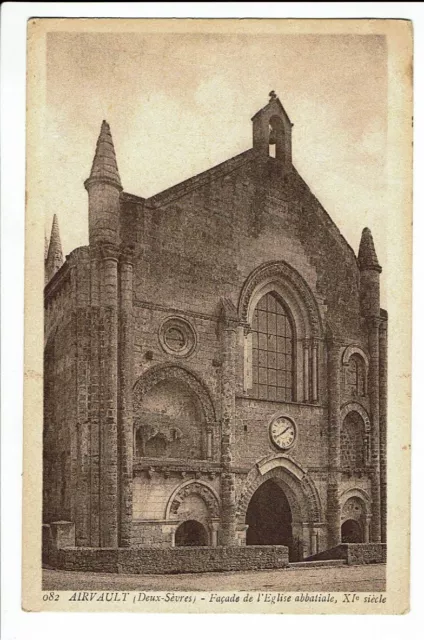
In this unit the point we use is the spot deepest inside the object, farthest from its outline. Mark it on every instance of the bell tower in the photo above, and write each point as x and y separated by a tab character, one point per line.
272	134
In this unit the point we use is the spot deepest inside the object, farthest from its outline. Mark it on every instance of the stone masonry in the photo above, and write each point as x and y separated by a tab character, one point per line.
196	325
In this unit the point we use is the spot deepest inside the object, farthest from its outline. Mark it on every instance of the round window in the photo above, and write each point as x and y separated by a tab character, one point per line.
177	337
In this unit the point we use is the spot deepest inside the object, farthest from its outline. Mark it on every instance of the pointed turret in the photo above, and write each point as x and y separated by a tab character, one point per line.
370	270
367	257
54	258
104	187
104	167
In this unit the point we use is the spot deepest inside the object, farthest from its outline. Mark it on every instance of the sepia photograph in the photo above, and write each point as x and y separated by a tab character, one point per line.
213	265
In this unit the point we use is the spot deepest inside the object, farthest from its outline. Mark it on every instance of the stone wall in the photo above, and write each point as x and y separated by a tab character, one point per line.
60	408
361	553
195	245
252	431
153	534
199	242
206	241
176	560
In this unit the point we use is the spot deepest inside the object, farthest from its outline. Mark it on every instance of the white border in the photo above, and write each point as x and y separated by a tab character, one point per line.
20	625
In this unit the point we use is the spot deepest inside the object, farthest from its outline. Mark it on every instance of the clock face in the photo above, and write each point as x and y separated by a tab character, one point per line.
283	432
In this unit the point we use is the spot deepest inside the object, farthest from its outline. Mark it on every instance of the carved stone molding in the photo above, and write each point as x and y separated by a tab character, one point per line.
198	488
309	489
168	372
109	251
355	498
127	254
358	408
281	271
300	488
350	351
183	329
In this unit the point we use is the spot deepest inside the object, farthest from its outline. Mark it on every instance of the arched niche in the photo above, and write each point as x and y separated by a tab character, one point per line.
191	533
350	351
354	438
195	500
361	495
355	364
352	531
173	415
358	408
355	515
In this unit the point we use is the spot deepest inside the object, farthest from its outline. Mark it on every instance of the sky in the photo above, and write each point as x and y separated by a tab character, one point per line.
178	104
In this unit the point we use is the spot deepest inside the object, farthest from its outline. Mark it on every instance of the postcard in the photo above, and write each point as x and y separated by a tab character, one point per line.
218	316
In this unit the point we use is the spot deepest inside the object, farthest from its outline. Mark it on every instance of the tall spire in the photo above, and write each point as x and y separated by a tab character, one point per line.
55	254
367	257
104	167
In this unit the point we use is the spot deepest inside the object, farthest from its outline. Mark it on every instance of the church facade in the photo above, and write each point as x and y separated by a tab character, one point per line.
215	367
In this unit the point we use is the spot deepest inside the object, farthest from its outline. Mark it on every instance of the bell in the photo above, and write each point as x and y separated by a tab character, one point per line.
272	137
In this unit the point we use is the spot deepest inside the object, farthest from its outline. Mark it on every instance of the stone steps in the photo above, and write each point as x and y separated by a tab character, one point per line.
317	564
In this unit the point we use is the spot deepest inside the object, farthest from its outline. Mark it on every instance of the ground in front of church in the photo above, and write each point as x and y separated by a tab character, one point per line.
341	578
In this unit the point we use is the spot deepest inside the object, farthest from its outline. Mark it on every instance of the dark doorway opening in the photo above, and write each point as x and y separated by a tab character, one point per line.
269	517
351	531
191	534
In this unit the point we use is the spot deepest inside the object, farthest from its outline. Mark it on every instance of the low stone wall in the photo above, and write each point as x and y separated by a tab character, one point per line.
369	553
84	559
359	553
171	560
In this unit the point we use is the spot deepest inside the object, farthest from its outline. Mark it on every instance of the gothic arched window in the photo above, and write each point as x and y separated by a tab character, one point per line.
272	350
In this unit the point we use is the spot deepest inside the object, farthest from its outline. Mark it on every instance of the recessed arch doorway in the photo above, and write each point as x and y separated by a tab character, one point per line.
191	533
352	531
298	490
269	517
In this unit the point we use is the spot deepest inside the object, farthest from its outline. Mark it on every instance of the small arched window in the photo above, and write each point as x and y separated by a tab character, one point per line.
276	138
272	142
355	376
272	350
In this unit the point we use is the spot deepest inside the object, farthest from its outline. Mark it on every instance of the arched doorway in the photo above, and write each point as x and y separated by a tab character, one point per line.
351	531
191	533
302	513
269	517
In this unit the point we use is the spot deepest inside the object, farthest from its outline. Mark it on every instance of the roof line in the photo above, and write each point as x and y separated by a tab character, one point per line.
181	188
328	219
